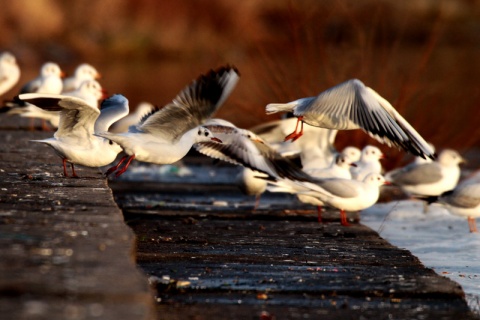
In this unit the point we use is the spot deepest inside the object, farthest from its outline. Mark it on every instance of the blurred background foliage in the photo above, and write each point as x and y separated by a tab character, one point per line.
422	55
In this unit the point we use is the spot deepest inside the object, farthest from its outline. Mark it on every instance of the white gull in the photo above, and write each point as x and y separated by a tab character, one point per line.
167	134
74	141
9	72
352	105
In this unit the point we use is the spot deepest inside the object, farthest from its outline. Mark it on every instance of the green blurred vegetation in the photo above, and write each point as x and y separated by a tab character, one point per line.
423	55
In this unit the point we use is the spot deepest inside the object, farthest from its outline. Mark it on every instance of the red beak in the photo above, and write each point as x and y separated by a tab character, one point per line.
104	94
216	140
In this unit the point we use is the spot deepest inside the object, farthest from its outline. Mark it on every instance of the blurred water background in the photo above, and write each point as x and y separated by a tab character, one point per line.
423	56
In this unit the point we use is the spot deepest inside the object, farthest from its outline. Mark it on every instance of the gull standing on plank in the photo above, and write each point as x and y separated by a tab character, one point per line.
250	183
464	201
90	91
345	194
429	179
49	82
74	141
352	105
369	163
82	73
133	118
166	135
9	72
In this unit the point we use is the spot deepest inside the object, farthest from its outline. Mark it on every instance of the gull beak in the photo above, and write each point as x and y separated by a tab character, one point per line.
98	76
104	93
353	164
216	140
387	183
62	74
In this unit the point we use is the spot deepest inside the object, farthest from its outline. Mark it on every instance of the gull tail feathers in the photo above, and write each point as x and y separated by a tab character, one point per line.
280	107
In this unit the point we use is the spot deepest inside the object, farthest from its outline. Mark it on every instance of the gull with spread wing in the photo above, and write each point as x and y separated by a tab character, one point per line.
166	135
352	105
74	141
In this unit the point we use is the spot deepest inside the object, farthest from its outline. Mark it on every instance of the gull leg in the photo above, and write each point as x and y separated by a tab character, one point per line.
125	167
257	202
343	218
295	135
319	214
74	174
64	160
300	133
472	224
114	168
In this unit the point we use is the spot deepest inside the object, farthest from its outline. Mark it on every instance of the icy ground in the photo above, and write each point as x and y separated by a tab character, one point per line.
440	240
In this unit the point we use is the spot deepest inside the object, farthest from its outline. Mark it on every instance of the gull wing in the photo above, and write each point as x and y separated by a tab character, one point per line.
242	147
352	105
416	174
193	105
111	110
466	195
77	118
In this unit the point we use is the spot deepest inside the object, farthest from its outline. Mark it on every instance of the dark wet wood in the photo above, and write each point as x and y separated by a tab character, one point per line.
65	250
214	259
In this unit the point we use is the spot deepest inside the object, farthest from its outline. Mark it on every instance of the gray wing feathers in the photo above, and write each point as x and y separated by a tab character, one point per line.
76	116
252	154
352	105
415	174
465	196
112	110
193	105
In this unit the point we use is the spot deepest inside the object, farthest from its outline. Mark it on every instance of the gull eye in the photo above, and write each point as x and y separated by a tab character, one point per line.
199	132
206	133
110	142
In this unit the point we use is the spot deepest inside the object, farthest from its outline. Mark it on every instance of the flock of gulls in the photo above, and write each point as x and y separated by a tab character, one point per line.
94	130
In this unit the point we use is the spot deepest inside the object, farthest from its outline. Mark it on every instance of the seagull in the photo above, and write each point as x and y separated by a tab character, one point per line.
429	179
48	82
464	201
369	162
339	168
9	72
352	153
82	73
245	148
251	183
316	149
166	135
90	91
74	141
352	105
133	118
345	194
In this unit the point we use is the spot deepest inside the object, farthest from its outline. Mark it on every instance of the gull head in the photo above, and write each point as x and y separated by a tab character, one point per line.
371	153
87	72
205	135
374	179
449	157
92	88
51	69
343	161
